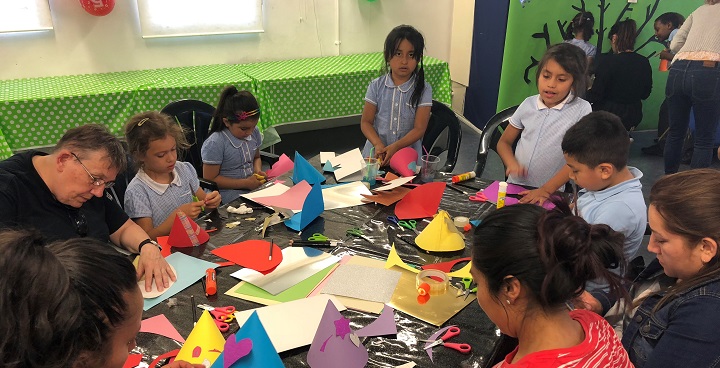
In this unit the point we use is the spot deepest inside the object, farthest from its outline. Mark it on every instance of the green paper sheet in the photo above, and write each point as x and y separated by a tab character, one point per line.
247	291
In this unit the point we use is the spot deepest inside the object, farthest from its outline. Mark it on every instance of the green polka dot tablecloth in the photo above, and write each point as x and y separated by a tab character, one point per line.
327	87
36	112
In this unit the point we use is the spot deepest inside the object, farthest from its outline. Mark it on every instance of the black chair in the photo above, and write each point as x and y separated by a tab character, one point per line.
443	118
490	137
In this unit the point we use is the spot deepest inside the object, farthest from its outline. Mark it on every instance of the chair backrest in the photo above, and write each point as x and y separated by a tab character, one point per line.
491	135
443	118
195	116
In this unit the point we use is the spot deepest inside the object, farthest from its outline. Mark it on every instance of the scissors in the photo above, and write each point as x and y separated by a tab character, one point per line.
221	315
318	237
358	233
395	221
478	197
450	333
467	283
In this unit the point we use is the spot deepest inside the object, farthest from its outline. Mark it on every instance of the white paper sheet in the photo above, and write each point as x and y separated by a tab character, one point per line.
293	324
396	183
325	157
346	195
350	162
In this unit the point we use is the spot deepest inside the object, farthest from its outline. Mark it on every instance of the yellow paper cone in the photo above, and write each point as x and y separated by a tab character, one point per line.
205	342
441	235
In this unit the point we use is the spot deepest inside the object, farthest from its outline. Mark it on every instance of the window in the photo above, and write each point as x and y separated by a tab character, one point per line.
25	16
177	18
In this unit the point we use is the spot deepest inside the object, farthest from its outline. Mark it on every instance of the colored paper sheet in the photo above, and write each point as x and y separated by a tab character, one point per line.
285	329
160	325
299	263
186	233
436	310
441	235
491	192
275	189
263	353
205	342
292	199
404	161
133	360
304	171
383	325
445	266
154	293
421	202
347	195
395	260
247	291
331	346
283	165
352	303
387	198
252	254
235	349
166	248
362	282
347	164
311	209
190	269
434	337
326	156
395	183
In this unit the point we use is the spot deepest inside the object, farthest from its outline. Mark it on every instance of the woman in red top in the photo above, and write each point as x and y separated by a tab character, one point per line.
527	263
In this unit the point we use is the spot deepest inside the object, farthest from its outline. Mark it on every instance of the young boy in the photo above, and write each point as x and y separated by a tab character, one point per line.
596	150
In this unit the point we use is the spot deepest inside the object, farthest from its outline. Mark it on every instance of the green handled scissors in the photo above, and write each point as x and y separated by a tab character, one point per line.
411	224
467	282
318	237
358	233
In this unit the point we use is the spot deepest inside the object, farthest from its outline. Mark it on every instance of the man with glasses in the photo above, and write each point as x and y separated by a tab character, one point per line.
62	194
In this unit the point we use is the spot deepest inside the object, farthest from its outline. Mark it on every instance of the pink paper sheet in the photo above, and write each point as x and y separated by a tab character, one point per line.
160	325
292	199
283	165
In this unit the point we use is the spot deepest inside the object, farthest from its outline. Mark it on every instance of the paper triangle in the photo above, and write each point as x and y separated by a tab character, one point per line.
401	160
262	355
441	235
283	165
292	199
186	233
252	254
160	325
205	342
383	325
328	167
331	346
312	208
304	171
421	202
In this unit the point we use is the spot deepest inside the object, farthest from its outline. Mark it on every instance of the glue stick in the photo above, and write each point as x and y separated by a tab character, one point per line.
502	191
462	177
210	282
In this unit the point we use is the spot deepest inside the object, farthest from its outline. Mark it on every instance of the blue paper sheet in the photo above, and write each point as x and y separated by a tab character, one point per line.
312	208
189	270
263	353
304	171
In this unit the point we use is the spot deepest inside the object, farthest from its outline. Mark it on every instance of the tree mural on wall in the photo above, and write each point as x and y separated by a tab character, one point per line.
603	6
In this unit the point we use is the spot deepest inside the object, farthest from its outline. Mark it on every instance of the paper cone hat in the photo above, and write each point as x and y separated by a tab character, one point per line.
205	342
441	235
404	161
186	233
332	345
249	348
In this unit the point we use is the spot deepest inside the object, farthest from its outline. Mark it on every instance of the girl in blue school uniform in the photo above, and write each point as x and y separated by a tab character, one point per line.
397	105
231	154
543	119
163	185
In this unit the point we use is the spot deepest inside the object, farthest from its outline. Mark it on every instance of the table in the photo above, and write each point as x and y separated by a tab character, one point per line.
36	112
477	329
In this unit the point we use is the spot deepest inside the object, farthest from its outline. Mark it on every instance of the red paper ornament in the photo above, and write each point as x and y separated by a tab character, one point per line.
98	8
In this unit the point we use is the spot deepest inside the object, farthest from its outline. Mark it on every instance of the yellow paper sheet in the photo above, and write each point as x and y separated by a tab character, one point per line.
394	260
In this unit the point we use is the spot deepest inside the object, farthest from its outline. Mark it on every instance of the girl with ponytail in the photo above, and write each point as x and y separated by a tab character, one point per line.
528	263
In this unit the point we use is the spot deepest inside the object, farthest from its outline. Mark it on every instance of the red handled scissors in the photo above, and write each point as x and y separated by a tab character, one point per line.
450	333
221	315
478	197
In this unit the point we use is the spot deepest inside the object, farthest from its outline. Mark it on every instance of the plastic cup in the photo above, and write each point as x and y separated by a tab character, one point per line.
430	164
370	170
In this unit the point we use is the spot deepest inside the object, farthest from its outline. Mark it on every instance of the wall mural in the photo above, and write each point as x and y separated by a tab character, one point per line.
533	26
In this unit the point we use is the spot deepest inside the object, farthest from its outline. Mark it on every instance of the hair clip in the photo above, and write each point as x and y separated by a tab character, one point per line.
142	121
246	114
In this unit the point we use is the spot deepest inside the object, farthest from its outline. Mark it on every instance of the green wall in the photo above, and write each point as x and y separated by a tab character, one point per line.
531	28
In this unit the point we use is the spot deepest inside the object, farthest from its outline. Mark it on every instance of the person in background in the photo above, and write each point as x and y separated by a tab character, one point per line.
697	58
596	150
579	32
527	263
623	80
163	185
231	154
73	303
673	319
543	119
397	104
62	194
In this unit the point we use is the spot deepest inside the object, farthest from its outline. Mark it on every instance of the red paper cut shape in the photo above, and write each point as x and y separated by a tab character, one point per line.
421	202
252	254
133	360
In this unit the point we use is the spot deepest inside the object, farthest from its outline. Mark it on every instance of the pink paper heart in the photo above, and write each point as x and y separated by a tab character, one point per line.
235	350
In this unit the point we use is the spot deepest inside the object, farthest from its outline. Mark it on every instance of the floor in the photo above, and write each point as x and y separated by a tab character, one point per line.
344	138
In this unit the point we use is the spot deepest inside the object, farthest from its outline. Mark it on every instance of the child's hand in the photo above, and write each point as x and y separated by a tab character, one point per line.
252	182
516	170
192	209
538	196
380	152
389	152
262	173
213	199
587	301
666	55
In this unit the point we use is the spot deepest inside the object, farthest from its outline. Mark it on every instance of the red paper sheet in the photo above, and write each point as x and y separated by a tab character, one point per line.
252	254
421	202
133	360
160	325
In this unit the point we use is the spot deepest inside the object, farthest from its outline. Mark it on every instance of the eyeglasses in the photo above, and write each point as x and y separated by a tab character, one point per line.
81	225
95	181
